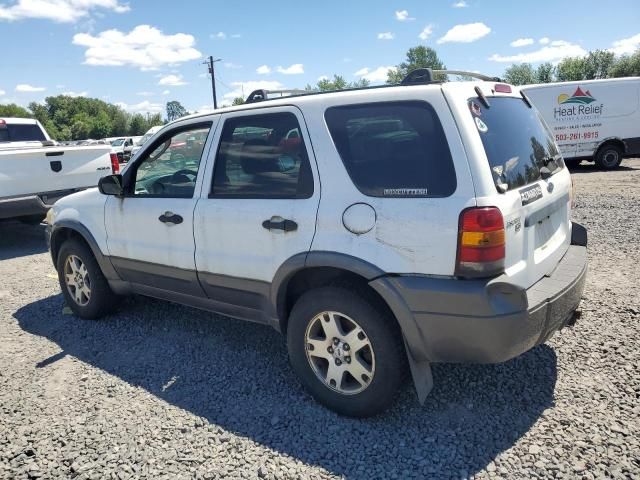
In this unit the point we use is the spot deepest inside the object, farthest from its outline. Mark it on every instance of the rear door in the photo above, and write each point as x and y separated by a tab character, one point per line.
258	205
518	168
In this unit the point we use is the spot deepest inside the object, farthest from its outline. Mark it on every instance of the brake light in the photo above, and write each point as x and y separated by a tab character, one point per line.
115	165
3	123
502	88
481	242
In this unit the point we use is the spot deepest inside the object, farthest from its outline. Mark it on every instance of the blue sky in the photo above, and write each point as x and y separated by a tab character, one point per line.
141	54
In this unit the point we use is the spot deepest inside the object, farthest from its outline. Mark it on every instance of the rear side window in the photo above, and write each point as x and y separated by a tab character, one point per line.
393	149
21	133
262	156
516	141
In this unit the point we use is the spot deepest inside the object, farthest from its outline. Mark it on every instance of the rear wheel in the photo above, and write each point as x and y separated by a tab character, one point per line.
85	289
347	352
609	157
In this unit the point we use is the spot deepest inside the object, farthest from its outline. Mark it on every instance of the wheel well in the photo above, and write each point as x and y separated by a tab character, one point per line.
614	141
62	235
315	277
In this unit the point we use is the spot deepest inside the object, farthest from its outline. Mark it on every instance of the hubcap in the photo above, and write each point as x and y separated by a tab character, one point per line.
340	353
610	158
76	277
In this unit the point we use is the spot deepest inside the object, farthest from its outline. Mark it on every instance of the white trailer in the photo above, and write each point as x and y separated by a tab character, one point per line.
594	120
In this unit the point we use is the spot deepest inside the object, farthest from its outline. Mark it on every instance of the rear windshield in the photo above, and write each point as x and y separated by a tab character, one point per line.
21	133
393	149
516	141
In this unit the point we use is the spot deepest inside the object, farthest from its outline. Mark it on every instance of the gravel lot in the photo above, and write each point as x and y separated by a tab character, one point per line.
162	391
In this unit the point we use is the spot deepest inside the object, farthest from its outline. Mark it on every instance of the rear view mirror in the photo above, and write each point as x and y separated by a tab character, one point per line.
111	185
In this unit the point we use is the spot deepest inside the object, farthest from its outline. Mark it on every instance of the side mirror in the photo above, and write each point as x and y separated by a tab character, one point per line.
111	185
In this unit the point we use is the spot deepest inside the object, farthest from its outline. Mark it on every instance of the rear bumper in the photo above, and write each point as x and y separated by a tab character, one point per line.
486	321
37	204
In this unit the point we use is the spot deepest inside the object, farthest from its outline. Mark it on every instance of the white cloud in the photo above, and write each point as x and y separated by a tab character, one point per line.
172	80
236	35
544	40
553	52
142	107
25	87
2	92
63	11
145	94
263	70
426	32
231	65
460	4
75	94
145	47
295	69
626	45
376	75
243	89
386	36
166	92
219	35
522	42
403	16
465	33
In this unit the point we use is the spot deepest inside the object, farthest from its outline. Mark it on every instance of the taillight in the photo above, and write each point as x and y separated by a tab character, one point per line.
115	165
481	242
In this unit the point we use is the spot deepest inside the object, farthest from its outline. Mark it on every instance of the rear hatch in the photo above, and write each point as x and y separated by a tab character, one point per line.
518	168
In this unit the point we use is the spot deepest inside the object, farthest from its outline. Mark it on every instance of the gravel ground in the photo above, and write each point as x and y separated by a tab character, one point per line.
161	391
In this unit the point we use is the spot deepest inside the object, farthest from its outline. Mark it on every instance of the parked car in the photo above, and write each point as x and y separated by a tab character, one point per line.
406	225
150	133
122	148
35	171
593	120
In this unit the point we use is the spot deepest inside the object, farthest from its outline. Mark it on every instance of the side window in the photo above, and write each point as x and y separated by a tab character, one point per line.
262	156
393	149
171	167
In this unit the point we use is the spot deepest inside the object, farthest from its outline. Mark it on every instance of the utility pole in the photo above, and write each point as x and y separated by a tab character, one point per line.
210	61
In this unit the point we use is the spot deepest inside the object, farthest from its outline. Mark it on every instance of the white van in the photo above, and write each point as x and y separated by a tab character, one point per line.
595	120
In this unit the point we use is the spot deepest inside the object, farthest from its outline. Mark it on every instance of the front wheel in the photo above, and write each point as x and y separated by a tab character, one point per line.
346	350
609	157
85	289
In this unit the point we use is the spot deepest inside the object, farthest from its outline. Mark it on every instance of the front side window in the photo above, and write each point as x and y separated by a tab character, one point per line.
393	149
171	168
262	156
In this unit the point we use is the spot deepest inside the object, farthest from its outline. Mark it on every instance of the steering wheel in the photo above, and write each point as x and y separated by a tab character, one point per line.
185	171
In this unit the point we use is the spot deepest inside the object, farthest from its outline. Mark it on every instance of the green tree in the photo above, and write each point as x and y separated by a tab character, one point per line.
545	73
522	74
571	69
626	66
238	101
417	57
13	110
337	83
597	64
175	110
137	126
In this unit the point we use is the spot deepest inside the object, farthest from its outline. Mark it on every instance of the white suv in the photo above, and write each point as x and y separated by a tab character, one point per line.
379	229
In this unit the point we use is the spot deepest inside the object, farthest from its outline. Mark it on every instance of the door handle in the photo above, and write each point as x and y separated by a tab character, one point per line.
279	223
170	217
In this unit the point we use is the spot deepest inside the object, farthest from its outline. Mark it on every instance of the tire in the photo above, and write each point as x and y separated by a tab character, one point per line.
609	157
572	162
383	359
101	300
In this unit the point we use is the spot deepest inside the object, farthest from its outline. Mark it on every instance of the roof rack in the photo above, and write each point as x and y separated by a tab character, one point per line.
419	76
262	94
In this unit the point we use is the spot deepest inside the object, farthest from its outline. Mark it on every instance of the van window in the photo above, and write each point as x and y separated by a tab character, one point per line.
393	149
516	140
259	157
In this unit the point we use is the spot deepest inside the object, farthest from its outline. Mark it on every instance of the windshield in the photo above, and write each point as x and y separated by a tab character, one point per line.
519	146
144	138
117	143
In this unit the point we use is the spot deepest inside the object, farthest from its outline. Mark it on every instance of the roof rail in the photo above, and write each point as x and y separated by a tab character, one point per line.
421	76
262	94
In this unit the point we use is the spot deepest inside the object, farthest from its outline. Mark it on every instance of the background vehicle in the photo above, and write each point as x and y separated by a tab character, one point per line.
122	148
150	133
594	120
35	172
430	222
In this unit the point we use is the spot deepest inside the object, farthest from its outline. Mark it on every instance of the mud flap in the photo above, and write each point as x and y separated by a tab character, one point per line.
421	374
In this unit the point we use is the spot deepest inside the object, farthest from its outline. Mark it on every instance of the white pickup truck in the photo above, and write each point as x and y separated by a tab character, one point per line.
35	171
